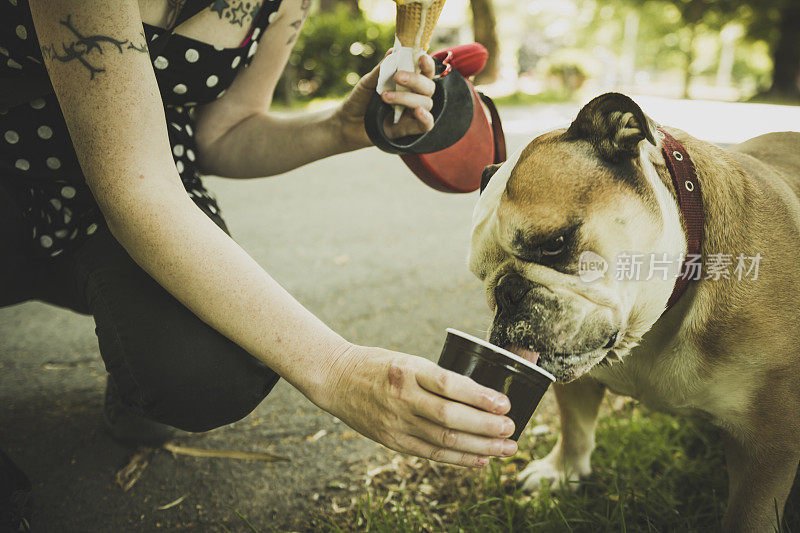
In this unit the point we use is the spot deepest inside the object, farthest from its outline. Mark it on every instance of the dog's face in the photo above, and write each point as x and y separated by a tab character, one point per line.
588	194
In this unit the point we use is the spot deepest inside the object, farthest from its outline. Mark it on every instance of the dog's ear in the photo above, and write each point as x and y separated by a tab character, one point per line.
488	172
615	125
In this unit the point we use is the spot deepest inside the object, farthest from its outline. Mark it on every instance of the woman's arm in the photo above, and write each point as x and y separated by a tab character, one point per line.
101	72
238	137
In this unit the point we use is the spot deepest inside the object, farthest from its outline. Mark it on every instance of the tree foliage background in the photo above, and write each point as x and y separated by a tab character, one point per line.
750	45
337	46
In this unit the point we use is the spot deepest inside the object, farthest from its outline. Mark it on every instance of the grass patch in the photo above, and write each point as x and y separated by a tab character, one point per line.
774	99
545	97
652	472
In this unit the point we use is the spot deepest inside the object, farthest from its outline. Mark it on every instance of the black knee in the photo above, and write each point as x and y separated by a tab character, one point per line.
167	364
194	379
202	397
201	403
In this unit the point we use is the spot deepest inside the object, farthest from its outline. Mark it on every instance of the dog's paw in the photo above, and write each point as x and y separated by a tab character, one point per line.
546	470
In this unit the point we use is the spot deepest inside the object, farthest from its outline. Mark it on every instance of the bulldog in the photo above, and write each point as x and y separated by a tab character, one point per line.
727	348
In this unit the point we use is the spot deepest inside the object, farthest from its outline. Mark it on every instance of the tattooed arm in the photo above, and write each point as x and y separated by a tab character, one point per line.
238	137
80	48
112	106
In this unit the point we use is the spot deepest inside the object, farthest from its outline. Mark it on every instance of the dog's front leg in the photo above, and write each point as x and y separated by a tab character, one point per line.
578	403
760	476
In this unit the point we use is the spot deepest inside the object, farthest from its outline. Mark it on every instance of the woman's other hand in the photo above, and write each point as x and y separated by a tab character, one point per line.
416	118
413	406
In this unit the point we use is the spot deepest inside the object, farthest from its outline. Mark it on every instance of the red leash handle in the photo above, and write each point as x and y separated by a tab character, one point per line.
468	59
448	67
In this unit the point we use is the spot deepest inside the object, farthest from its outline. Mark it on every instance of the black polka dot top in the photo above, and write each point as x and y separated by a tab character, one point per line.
38	164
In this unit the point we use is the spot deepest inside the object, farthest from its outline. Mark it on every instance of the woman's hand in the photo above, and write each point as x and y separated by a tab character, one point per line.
415	120
414	406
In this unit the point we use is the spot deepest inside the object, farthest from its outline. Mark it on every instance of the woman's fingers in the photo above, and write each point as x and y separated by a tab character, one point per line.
425	118
420	448
421	122
454	415
427	66
417	83
418	98
401	414
461	441
445	383
411	100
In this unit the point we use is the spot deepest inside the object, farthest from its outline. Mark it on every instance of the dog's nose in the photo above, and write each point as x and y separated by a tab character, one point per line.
510	291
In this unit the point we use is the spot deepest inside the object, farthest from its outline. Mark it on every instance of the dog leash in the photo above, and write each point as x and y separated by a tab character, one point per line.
690	202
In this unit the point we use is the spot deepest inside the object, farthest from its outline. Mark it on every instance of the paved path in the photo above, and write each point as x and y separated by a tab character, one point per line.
360	242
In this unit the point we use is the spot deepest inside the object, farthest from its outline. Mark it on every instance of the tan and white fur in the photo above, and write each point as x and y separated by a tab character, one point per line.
728	351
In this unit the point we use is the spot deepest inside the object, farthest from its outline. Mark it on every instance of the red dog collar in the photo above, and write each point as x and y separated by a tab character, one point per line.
690	203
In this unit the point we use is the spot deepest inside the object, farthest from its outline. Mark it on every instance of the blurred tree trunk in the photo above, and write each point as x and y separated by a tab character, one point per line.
786	57
692	12
484	29
330	5
627	66
690	56
727	55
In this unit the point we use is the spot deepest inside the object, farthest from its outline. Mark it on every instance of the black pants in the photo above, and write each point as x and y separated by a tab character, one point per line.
166	363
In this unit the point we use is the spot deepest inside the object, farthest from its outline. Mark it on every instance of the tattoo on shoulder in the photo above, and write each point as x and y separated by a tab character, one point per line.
173	10
240	13
82	47
305	7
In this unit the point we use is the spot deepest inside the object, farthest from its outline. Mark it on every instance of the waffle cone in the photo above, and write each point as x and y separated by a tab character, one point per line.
411	16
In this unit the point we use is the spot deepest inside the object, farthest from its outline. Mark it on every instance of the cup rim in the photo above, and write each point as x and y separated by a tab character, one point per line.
502	351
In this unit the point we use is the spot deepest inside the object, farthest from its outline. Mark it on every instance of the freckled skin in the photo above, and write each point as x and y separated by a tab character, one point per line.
396	378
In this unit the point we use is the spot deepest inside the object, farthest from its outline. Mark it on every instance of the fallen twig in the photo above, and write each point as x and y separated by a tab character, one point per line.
171	504
316	436
223	454
129	474
64	365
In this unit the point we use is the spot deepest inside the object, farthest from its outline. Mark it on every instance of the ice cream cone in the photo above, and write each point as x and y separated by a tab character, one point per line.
416	20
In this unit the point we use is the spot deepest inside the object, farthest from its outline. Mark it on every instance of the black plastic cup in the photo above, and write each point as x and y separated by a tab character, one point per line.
491	366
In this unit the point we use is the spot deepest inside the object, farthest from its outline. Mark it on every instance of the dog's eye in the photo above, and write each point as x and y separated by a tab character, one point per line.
548	252
554	246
